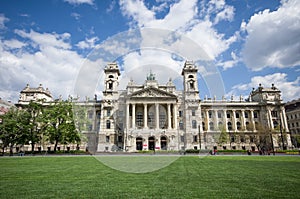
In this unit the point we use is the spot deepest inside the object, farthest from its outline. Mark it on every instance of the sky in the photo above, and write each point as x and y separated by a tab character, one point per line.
65	44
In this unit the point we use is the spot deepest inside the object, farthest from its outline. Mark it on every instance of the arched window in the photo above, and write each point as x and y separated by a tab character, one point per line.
191	76
111	76
192	85
108	124
220	124
110	85
229	126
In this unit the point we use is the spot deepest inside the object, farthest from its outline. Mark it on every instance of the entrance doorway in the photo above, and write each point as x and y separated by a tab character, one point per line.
151	143
139	143
163	143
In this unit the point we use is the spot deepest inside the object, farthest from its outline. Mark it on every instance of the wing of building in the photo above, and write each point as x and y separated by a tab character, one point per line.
160	117
151	116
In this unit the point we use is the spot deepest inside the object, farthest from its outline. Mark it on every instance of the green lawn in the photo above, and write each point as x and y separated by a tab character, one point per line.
187	177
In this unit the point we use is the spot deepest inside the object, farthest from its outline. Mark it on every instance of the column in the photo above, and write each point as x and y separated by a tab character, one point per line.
175	115
127	116
169	115
284	121
270	119
157	115
243	119
234	121
145	116
207	120
252	119
216	120
225	120
133	116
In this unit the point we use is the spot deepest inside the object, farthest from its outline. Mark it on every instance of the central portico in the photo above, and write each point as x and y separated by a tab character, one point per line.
150	114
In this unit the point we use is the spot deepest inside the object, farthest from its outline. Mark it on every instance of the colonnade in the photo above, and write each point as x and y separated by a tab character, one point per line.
171	111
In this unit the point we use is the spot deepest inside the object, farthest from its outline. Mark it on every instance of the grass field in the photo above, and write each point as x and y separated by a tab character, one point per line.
187	177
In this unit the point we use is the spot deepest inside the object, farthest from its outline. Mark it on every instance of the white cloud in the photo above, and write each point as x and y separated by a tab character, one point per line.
13	44
75	15
183	16
78	2
273	37
3	19
47	59
290	89
87	43
46	39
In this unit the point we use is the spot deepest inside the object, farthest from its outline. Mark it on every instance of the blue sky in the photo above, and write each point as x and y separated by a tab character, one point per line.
247	42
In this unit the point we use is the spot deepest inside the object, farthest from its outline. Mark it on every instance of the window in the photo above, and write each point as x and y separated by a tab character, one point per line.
98	115
195	138
111	76
108	112
274	113
194	124
228	115
139	119
237	115
210	114
247	126
193	112
242	138
211	126
182	138
203	126
90	127
238	126
121	113
107	124
229	125
180	125
180	113
110	85
255	114
192	85
251	138
275	124
107	138
162	120
219	114
246	115
151	120
232	138
120	138
90	113
220	124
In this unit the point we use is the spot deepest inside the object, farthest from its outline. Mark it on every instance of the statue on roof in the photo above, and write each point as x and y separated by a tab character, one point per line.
151	76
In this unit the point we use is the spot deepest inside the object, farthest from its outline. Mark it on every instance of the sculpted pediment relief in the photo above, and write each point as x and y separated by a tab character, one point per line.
152	93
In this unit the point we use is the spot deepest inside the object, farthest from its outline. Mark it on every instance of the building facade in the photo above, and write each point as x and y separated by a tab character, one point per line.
159	117
293	120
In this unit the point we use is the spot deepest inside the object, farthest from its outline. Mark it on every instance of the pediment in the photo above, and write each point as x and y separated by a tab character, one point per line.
151	92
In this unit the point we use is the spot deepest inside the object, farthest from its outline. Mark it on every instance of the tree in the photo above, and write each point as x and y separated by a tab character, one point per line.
223	138
263	138
61	127
13	126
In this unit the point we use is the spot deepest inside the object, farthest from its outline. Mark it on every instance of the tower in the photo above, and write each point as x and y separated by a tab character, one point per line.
190	81
112	74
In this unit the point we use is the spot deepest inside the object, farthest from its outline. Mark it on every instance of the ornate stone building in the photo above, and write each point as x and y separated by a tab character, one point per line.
293	120
159	117
34	94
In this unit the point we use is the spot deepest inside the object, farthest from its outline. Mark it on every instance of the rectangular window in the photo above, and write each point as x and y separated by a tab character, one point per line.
255	114
120	138
210	114
193	112
108	112
90	114
219	114
237	115
181	125
274	113
107	138
182	138
195	138
194	124
246	115
180	113
228	115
